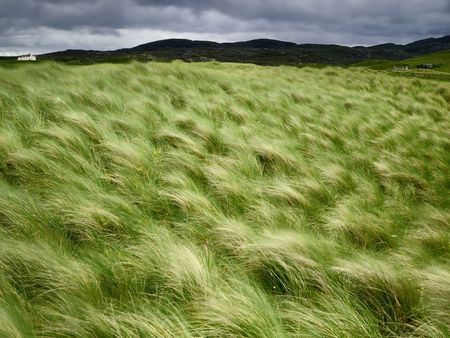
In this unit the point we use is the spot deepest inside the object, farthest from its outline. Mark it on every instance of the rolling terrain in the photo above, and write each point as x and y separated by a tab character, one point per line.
439	61
222	200
260	51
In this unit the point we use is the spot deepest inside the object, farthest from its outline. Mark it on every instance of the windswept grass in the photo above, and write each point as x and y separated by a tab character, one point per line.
223	200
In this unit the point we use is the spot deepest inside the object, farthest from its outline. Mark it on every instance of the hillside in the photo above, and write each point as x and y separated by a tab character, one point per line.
440	59
222	200
260	51
440	62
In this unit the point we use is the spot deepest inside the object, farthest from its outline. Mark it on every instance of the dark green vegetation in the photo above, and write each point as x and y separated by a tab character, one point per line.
261	51
222	200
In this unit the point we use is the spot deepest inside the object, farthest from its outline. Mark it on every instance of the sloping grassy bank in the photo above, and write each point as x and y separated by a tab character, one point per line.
440	60
439	72
222	200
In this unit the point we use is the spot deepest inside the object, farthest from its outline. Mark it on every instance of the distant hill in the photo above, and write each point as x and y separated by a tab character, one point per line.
440	61
428	45
169	44
260	51
261	43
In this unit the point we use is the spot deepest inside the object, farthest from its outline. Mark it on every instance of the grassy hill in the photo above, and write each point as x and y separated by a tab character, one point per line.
439	60
222	200
259	51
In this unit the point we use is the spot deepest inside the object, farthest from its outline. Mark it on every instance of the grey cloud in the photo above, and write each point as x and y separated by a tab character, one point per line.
326	21
312	9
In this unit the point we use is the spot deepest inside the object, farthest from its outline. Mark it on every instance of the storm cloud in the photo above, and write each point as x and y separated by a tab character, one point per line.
47	25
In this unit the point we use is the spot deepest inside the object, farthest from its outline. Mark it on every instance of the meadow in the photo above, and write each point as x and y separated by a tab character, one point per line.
439	60
223	200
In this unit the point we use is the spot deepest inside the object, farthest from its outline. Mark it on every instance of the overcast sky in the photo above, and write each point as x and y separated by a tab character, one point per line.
49	25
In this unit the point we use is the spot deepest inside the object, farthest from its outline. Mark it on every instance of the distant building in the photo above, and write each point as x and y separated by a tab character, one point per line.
27	57
400	68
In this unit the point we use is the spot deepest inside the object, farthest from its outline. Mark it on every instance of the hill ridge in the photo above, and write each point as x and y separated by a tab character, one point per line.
260	51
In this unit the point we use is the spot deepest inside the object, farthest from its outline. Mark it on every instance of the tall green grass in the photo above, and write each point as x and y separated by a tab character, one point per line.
222	200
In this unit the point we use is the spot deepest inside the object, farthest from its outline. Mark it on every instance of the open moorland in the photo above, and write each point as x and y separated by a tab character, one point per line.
439	64
223	200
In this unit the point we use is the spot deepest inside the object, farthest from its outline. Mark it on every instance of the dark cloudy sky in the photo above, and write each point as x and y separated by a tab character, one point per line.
48	25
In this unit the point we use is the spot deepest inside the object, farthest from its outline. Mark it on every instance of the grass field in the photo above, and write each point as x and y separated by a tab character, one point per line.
223	200
441	60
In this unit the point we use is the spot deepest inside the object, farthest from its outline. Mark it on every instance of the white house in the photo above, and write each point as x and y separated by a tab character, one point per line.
28	57
400	68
